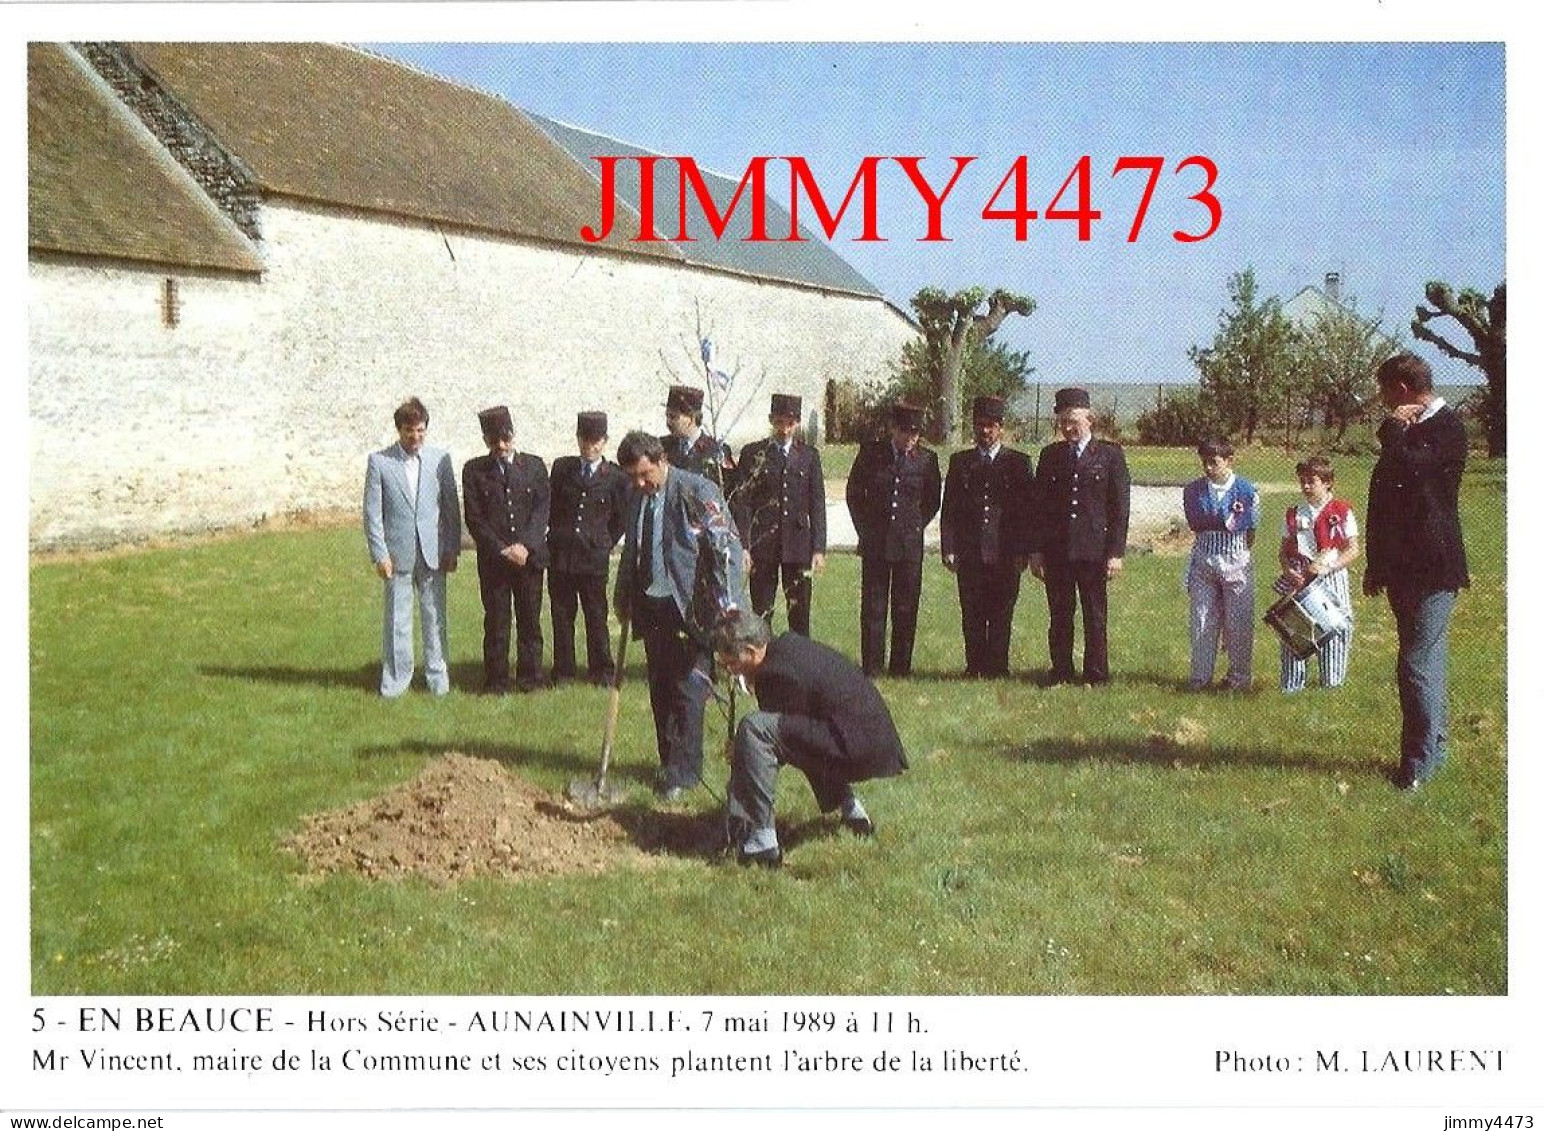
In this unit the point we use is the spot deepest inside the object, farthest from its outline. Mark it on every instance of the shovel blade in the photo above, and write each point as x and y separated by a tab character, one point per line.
591	793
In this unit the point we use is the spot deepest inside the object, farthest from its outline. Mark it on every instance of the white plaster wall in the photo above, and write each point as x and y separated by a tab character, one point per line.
267	397
134	427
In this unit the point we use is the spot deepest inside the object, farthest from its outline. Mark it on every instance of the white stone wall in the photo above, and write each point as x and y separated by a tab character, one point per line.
137	428
269	394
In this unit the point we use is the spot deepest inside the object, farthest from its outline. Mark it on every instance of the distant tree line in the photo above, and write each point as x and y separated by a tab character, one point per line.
1265	373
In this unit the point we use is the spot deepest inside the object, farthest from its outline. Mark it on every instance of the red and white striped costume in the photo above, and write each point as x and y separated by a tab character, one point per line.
1306	533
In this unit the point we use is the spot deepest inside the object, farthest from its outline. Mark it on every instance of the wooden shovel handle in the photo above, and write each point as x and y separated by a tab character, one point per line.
614	705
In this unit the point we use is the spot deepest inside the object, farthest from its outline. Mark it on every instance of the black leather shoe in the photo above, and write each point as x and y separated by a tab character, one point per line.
766	858
859	826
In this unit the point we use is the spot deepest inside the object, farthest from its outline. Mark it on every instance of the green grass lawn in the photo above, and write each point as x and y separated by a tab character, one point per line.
189	706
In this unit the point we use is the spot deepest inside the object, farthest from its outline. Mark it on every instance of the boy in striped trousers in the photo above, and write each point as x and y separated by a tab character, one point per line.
1319	539
1224	510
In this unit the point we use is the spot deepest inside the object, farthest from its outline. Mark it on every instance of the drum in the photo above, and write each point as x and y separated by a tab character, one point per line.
1306	618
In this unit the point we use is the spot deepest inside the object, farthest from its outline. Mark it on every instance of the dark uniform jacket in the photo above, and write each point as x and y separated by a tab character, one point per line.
705	457
830	711
988	507
1082	506
501	512
892	500
588	518
1413	534
779	502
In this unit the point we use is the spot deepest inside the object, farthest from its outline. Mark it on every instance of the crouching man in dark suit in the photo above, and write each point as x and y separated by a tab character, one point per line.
815	710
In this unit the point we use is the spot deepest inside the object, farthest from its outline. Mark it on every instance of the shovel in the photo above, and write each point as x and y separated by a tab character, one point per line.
593	794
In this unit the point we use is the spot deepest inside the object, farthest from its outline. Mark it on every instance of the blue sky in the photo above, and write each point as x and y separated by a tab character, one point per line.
1382	161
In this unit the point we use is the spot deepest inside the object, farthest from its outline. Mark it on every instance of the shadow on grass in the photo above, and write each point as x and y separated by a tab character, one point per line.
1169	754
691	834
365	678
1042	679
466	678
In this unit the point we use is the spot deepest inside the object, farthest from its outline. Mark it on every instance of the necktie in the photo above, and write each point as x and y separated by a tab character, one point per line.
646	546
588	473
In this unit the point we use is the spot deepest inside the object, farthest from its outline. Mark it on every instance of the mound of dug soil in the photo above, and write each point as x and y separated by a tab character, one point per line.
463	817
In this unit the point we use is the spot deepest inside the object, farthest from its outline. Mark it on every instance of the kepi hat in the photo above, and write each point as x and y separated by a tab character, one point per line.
989	408
684	398
496	423
908	416
786	404
1072	398
591	426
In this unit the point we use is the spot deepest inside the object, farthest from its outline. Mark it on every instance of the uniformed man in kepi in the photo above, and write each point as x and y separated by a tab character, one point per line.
779	504
687	446
893	492
507	497
589	517
985	532
1082	507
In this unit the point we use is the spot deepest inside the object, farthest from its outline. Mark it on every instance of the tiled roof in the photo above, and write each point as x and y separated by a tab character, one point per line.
808	261
99	184
333	124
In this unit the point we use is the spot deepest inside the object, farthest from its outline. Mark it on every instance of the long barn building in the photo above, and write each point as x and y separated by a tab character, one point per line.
244	256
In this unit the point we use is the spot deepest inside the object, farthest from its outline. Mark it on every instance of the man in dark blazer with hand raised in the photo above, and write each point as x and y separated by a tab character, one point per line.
1415	551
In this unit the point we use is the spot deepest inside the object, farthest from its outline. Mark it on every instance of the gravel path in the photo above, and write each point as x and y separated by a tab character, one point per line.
1154	510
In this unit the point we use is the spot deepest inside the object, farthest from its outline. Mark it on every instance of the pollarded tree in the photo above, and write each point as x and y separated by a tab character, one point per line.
989	368
949	324
1248	368
1485	322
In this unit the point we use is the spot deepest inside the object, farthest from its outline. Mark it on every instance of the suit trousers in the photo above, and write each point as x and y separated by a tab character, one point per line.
988	595
680	676
1069	584
570	592
759	751
1421	619
896	588
797	592
428	585
510	589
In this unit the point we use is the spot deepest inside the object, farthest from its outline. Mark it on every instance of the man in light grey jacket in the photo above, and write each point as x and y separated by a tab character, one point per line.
413	531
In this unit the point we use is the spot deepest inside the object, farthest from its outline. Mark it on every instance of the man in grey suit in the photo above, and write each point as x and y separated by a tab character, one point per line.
682	567
413	531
